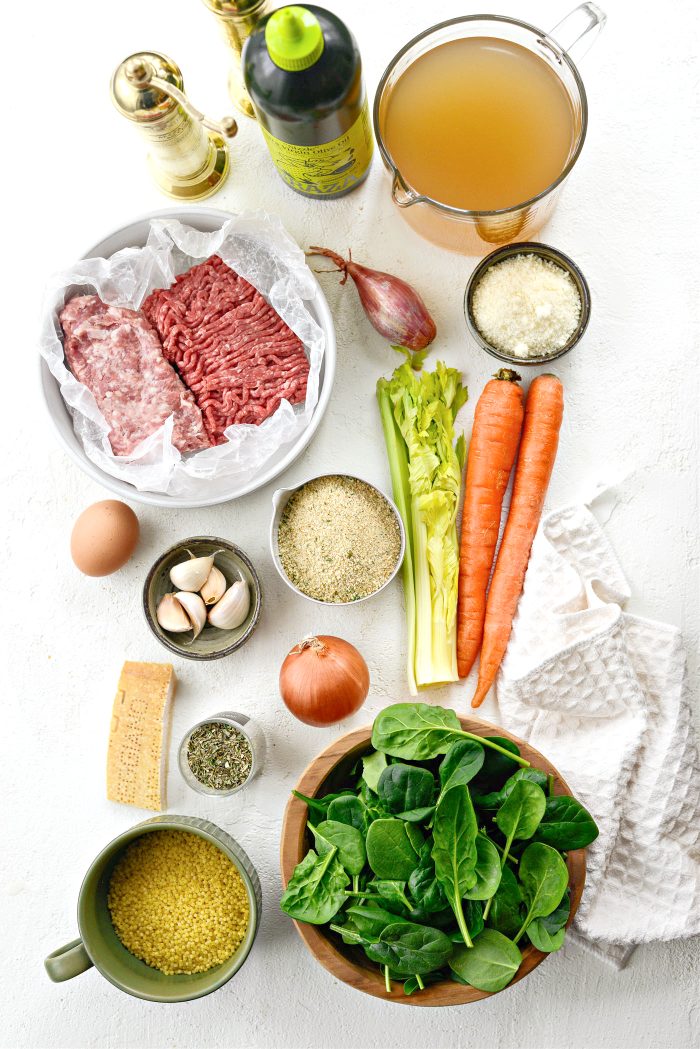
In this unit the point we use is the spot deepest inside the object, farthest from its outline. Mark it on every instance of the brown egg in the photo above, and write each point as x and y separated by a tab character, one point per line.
104	537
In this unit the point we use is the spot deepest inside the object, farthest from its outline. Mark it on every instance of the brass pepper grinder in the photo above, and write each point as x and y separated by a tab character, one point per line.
238	19
187	153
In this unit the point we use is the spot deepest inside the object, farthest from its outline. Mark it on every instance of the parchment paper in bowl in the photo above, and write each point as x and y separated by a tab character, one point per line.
257	247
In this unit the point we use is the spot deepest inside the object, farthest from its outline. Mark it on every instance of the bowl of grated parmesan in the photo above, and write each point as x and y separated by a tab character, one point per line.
527	303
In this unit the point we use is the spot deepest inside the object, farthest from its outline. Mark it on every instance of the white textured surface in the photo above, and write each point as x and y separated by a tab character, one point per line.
627	216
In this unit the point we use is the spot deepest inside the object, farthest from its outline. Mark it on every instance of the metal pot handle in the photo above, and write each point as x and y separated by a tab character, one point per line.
402	194
579	30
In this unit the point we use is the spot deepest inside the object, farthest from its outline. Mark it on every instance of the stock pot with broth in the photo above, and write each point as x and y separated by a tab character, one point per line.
479	121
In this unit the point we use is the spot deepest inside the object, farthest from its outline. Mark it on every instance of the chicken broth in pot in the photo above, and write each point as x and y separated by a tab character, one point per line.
479	121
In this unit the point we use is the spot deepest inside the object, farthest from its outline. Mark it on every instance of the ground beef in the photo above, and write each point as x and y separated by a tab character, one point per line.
116	353
231	348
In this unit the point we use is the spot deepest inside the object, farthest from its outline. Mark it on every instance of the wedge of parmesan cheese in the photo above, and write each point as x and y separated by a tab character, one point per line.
138	738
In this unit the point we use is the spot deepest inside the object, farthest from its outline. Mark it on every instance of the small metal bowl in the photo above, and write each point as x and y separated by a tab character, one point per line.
247	728
212	643
280	499
545	252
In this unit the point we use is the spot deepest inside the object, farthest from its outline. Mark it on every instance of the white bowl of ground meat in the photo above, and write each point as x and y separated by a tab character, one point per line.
194	428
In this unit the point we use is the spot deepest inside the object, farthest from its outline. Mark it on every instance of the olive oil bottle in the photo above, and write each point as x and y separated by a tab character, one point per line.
303	72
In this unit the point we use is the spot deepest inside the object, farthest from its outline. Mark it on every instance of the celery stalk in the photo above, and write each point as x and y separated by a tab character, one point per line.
398	467
418	413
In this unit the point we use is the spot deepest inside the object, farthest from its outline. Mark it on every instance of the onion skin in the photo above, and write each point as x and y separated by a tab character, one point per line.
323	680
392	306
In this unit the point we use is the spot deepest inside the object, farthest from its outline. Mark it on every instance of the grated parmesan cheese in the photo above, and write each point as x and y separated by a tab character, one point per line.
526	306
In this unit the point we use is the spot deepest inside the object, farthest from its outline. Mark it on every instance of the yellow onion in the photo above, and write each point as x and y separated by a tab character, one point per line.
323	680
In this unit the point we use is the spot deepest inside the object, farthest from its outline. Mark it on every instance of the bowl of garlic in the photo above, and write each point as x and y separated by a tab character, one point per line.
202	598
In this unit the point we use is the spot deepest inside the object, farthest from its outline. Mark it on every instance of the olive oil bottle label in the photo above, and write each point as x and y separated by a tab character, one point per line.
329	169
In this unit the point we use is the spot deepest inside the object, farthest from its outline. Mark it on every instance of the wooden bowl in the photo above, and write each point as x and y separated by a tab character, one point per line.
330	771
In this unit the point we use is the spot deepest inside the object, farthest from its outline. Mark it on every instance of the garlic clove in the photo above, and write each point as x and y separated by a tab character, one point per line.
214	588
195	609
192	575
171	615
232	609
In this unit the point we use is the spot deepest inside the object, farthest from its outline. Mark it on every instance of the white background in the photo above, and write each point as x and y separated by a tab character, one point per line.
74	171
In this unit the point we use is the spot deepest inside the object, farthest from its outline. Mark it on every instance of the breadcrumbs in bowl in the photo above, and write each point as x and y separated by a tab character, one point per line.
338	539
177	902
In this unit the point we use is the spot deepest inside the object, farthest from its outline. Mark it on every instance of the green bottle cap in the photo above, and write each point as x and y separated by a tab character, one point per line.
294	38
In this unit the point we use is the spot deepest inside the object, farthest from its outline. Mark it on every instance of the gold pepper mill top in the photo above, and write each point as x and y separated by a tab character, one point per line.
132	91
238	19
187	152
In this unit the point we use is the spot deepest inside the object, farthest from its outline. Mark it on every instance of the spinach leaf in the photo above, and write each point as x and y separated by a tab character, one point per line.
400	908
351	933
372	767
417	815
548	933
321	804
506	906
488	870
349	810
347	840
497	766
544	878
390	852
518	817
419	983
392	893
495	799
316	890
566	825
424	886
416	838
560	915
542	939
404	788
444	920
418	732
520	813
409	949
454	850
370	919
460	764
374	810
474	918
415	730
413	984
490	964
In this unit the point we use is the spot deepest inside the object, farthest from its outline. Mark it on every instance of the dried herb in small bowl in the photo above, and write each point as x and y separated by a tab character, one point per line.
219	756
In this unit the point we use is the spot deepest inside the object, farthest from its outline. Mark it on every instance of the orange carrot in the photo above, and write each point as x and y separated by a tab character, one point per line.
544	409
498	420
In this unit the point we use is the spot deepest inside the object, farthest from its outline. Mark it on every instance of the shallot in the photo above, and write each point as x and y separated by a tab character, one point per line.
392	306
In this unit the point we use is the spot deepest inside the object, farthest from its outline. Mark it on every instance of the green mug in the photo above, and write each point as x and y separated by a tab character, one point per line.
100	946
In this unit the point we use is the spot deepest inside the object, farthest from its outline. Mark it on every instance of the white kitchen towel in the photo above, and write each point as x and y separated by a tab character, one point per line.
602	694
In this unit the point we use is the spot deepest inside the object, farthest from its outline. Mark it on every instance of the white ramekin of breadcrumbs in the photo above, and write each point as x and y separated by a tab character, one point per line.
336	539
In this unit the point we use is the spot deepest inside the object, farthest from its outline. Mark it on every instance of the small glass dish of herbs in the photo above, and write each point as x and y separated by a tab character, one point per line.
441	856
219	756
